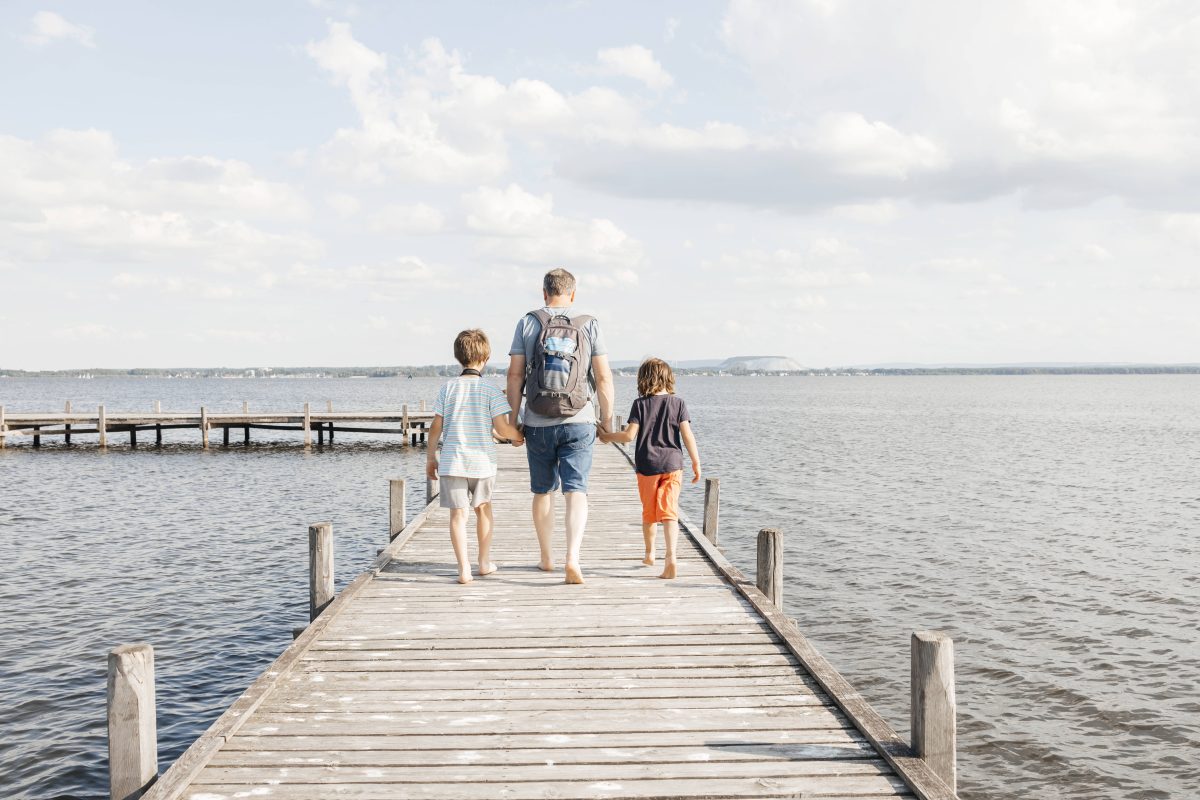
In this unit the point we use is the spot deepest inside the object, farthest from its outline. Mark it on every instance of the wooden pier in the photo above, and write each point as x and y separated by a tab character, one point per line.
408	685
32	427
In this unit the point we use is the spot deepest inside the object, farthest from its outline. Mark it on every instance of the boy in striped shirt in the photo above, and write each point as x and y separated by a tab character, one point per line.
466	410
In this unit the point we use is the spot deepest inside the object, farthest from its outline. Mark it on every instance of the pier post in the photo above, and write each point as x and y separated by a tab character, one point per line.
37	438
158	406
67	428
396	510
204	427
429	492
404	423
158	425
422	405
3	428
132	733
133	437
619	424
307	426
329	406
320	434
712	508
225	436
933	703
246	427
320	567
769	576
102	426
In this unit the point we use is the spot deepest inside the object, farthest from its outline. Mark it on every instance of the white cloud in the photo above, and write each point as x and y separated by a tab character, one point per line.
827	264
672	28
518	226
405	272
47	27
1184	227
418	218
70	195
342	204
637	62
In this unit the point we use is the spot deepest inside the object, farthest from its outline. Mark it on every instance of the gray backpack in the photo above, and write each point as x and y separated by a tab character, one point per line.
556	379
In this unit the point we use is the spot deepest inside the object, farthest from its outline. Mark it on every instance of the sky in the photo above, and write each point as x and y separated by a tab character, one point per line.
316	182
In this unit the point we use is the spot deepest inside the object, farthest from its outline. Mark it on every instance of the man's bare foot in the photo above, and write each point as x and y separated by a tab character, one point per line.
648	560
465	577
668	570
546	566
487	569
573	574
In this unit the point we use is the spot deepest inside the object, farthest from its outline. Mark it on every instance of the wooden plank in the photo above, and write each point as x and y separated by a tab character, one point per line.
824	786
750	750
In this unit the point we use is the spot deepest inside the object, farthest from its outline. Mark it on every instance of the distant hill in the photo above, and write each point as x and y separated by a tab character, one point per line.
761	364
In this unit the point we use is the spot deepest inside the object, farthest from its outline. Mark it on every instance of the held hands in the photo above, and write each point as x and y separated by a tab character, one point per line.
517	440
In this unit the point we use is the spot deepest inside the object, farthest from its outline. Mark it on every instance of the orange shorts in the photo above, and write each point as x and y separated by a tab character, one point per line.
660	495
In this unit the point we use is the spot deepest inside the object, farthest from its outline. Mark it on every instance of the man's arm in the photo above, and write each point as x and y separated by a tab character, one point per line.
516	386
604	390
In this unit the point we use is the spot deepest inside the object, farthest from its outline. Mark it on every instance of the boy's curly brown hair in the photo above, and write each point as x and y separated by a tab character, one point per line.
654	376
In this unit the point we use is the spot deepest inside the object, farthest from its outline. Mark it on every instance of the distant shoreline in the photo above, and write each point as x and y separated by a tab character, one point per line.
437	371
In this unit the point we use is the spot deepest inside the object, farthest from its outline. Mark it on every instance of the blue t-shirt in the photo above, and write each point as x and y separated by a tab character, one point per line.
467	406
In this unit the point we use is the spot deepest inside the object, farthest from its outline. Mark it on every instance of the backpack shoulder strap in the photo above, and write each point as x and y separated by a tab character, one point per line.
582	320
540	315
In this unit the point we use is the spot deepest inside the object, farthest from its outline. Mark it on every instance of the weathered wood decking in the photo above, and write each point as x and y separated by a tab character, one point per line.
519	686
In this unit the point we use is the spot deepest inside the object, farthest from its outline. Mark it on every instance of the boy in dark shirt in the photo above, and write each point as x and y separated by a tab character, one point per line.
658	422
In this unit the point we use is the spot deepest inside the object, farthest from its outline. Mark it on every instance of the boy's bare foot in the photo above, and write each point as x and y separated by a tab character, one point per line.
668	570
648	560
487	569
546	566
573	574
465	577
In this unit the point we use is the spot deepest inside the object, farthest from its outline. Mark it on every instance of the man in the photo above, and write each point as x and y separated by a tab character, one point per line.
559	426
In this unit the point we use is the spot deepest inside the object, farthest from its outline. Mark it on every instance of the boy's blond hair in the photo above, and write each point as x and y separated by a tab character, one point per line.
654	376
472	347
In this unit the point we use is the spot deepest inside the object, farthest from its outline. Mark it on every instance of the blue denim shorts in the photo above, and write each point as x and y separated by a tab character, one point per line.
560	454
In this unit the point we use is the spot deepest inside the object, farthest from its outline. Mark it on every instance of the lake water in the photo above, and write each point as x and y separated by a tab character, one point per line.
1051	525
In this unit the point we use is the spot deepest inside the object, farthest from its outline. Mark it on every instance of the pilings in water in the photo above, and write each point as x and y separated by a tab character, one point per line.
102	426
712	508
67	427
769	577
132	731
397	516
933	709
320	568
3	428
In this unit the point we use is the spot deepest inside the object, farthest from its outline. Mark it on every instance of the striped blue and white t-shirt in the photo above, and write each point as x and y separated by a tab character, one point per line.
467	406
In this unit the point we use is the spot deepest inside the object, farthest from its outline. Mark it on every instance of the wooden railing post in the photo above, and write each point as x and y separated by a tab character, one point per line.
404	424
158	425
67	427
933	704
712	508
396	512
769	576
619	424
204	427
329	406
320	567
132	732
430	490
246	427
158	406
3	428
102	426
307	426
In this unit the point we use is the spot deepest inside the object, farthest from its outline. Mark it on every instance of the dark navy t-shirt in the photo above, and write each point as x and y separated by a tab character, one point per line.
658	443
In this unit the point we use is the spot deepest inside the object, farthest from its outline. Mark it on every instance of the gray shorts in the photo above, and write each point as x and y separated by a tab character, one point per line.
458	492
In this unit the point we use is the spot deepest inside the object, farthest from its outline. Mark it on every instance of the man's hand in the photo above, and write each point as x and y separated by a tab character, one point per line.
696	473
518	440
431	468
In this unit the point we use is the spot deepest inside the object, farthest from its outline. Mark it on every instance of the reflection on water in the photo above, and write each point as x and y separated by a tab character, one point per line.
1048	523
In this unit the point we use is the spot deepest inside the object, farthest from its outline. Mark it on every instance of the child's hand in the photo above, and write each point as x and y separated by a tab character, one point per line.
696	473
517	440
431	468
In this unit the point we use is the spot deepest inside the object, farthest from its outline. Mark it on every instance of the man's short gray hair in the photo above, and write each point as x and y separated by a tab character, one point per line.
558	282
